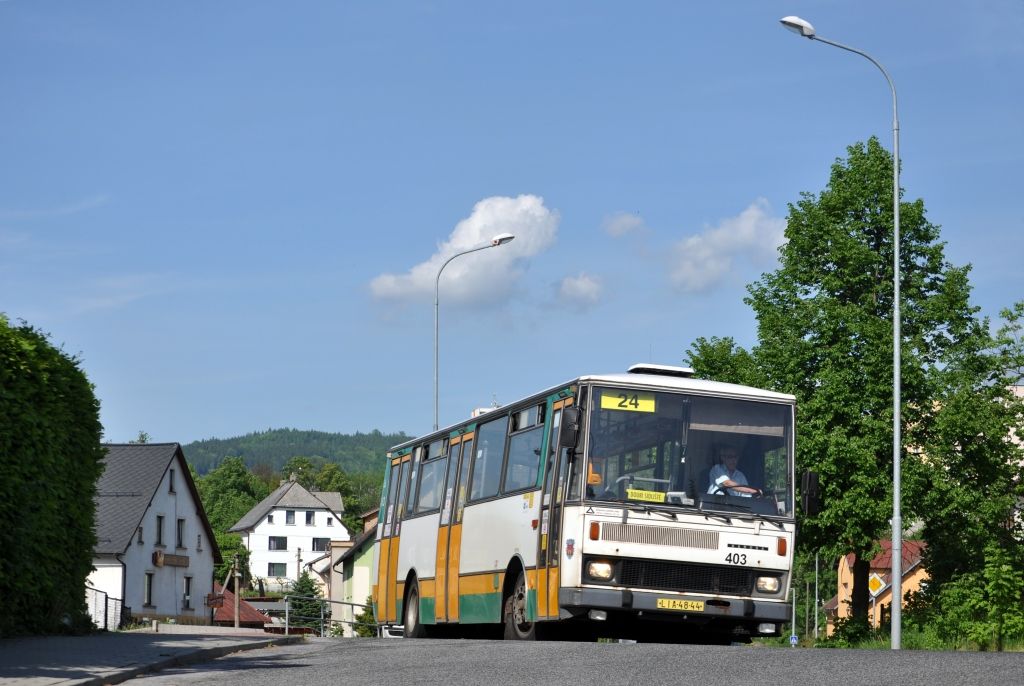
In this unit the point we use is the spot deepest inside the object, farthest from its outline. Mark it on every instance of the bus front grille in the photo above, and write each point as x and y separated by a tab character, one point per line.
686	577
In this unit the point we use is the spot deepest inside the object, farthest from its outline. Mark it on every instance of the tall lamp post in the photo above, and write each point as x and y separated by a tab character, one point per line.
500	239
805	29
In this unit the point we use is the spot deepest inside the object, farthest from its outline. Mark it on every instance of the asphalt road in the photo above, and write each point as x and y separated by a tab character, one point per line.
400	662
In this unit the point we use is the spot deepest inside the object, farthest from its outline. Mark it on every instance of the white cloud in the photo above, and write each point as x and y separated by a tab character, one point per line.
580	291
76	208
700	262
115	292
482	275
622	223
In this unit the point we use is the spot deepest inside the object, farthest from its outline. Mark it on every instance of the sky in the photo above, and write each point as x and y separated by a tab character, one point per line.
234	212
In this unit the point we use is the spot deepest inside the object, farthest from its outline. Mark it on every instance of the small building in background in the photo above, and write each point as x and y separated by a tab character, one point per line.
248	616
879	583
287	531
155	550
351	575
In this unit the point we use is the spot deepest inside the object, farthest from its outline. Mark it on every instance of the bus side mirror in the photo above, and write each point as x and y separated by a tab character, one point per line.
810	494
569	428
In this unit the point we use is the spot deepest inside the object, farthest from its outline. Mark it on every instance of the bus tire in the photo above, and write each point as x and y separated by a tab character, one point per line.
411	625
514	613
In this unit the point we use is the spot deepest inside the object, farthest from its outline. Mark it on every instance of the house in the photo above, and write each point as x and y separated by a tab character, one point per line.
155	549
351	580
288	529
879	583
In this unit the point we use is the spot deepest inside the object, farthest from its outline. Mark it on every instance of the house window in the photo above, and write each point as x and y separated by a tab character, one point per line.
170	488
270	519
289	517
309	518
179	540
147	590
139	536
277	543
321	544
199	543
186	598
159	530
330	521
276	569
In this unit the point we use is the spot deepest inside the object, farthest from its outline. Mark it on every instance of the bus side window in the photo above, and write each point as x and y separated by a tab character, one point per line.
523	459
463	488
403	486
389	510
490	453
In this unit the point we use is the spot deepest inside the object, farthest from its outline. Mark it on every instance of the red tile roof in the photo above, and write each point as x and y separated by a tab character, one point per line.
882	562
247	614
912	551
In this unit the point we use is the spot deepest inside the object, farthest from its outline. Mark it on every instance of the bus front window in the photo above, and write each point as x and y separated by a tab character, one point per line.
677	449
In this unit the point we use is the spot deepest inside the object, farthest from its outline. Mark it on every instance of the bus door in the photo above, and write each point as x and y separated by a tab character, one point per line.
449	535
387	564
552	497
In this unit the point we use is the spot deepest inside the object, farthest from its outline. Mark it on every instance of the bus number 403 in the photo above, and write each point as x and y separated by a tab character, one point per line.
736	558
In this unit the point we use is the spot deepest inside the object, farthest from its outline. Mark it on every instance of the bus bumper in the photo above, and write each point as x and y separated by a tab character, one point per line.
576	601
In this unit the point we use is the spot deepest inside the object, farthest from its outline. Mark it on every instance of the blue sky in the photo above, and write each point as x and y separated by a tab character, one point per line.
234	212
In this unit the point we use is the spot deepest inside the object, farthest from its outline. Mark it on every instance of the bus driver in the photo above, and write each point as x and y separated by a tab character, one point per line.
725	477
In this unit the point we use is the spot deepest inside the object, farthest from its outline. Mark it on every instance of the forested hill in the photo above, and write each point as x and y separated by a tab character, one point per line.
353	453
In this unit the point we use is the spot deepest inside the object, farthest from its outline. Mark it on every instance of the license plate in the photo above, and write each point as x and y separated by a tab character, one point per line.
682	605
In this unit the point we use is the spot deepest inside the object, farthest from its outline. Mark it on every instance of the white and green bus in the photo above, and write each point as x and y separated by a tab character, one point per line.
599	507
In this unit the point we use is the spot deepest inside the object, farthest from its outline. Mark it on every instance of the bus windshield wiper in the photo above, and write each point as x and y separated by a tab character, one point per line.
647	509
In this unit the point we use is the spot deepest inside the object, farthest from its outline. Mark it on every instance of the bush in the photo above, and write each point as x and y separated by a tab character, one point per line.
366	625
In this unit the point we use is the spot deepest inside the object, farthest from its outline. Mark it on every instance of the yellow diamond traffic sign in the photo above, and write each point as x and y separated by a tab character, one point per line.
875	584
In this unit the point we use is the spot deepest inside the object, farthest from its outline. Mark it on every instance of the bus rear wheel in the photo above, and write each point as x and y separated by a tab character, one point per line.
517	628
411	627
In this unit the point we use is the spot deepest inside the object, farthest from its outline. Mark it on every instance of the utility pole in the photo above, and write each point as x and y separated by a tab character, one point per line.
298	563
238	576
816	602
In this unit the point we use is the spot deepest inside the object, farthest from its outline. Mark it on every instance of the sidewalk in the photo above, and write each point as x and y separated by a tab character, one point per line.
111	658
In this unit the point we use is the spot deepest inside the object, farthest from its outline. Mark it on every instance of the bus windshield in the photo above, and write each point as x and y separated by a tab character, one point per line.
659	448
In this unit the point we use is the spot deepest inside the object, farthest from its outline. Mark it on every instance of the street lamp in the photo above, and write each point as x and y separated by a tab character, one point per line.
805	29
500	239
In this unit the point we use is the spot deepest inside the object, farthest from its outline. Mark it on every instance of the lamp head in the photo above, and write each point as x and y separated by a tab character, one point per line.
501	239
798	25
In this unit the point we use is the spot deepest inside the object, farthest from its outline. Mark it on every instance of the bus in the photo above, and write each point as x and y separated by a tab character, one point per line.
595	508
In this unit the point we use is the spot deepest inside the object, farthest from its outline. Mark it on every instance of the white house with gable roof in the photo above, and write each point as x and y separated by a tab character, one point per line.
288	529
155	551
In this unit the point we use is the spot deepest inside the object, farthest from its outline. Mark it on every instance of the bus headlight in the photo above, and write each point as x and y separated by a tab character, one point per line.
767	584
599	570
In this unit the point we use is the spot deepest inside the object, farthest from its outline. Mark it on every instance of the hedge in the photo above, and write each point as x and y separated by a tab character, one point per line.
50	460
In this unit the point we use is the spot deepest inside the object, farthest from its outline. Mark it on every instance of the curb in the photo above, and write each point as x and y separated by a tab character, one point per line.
200	655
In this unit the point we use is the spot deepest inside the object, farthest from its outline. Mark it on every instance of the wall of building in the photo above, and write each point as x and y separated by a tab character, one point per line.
168	579
299	549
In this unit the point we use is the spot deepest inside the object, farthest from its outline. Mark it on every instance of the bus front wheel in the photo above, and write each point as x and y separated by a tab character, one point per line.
517	628
412	628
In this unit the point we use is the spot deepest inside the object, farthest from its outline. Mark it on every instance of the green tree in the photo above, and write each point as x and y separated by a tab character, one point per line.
303	470
331	478
231	545
824	334
50	460
720	359
229	492
306	604
143	437
364	496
